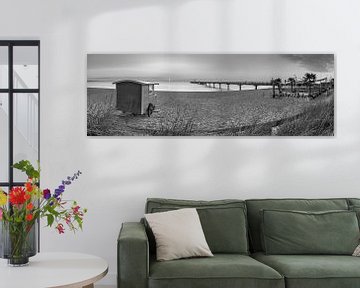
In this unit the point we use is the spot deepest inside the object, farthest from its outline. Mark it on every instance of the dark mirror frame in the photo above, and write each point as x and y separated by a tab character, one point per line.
10	91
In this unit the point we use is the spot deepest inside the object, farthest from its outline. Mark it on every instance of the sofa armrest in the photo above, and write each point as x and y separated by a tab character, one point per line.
133	256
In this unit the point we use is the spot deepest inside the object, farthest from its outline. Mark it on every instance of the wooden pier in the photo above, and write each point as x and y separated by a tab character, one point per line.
288	88
220	84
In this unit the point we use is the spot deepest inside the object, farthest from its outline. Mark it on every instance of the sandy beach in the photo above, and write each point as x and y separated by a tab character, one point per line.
208	113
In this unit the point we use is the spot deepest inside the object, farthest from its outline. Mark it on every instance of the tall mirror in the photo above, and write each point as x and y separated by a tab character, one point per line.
19	108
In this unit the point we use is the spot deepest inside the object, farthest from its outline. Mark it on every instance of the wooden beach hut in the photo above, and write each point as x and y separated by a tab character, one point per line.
133	95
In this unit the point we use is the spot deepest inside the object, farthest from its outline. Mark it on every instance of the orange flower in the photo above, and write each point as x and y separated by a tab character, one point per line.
27	196
29	217
29	206
29	186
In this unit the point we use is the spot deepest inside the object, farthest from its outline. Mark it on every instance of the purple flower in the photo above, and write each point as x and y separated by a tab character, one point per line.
64	183
46	194
58	192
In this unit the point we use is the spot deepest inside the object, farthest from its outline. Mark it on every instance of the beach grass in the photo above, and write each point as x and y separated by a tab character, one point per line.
100	117
317	120
178	125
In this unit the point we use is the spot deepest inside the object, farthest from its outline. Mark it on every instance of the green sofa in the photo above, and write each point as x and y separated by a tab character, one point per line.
234	232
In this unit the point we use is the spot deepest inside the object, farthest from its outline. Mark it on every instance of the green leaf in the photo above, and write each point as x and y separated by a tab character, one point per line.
21	165
79	221
50	219
53	211
26	167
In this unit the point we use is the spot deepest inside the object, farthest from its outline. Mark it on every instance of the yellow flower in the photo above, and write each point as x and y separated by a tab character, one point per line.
3	198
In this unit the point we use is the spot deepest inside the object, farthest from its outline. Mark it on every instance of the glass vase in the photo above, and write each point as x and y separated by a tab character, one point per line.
18	242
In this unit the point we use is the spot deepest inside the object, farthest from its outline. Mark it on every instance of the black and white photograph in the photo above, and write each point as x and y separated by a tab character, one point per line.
210	94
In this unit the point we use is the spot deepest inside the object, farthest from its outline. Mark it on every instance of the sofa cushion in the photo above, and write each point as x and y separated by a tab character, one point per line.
255	206
224	222
222	270
313	271
356	209
354	205
297	232
178	234
353	201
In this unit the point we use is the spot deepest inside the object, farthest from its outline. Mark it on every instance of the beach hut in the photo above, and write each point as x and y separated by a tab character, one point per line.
133	95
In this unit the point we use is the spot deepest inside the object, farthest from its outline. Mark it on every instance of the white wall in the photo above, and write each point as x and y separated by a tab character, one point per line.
120	173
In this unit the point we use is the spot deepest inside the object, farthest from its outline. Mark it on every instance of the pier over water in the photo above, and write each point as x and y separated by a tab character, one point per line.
220	84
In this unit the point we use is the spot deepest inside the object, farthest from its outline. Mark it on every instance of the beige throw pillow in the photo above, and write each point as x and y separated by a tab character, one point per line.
178	234
357	251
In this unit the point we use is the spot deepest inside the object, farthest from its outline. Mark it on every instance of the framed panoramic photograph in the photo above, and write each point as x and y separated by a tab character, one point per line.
210	94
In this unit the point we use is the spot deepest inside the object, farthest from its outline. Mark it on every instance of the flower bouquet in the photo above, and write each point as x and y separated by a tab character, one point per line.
21	208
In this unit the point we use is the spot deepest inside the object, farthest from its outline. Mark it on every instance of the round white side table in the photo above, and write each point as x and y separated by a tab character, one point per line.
54	270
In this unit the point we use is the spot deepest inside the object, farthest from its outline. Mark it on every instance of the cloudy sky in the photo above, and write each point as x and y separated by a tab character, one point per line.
184	67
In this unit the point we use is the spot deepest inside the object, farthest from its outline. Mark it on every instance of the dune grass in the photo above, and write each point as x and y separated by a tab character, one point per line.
99	117
317	120
180	124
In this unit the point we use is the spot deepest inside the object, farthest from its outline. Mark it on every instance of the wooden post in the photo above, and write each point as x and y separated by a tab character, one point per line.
280	89
256	87
239	86
273	90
